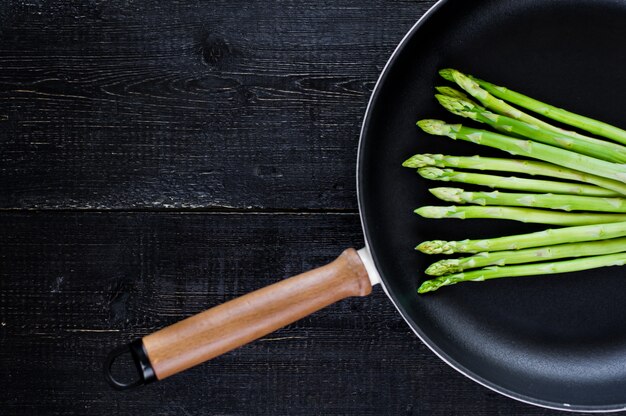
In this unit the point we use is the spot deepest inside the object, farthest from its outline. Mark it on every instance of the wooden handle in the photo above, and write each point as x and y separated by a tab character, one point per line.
242	320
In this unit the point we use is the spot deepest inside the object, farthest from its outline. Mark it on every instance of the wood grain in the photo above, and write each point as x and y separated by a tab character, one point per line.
188	104
230	325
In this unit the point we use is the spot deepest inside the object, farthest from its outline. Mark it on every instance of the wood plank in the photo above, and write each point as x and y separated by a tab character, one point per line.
74	285
188	104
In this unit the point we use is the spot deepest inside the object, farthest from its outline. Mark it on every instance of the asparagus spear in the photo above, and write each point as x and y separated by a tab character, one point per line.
585	123
513	183
489	100
550	201
497	105
537	239
530	215
496	272
527	148
529	167
531	255
601	149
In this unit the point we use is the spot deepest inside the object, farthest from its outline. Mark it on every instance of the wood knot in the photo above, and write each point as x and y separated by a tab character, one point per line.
215	50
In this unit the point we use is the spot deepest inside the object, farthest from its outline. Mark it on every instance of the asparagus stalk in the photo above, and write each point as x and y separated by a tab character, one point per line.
530	215
497	105
527	148
567	117
513	183
529	167
550	201
537	239
489	101
531	255
495	272
601	149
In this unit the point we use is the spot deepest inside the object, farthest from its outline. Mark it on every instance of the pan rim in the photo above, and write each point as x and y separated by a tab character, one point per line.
382	280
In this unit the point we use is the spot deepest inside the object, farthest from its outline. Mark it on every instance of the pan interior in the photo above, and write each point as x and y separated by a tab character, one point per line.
557	341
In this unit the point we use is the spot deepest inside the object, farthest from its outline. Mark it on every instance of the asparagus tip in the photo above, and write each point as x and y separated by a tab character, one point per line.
468	84
435	127
457	106
451	92
431	173
448	194
436	247
419	161
435	211
447	74
444	267
428	286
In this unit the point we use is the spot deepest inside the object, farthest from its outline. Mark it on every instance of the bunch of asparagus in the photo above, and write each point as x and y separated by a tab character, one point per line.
587	176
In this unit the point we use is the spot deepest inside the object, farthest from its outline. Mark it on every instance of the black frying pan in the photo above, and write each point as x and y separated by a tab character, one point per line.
554	341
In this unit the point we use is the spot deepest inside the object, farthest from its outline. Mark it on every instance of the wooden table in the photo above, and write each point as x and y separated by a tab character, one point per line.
161	157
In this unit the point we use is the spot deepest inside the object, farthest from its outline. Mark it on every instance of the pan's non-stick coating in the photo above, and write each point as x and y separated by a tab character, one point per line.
559	340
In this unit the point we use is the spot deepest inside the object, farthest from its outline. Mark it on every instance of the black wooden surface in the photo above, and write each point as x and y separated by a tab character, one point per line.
161	157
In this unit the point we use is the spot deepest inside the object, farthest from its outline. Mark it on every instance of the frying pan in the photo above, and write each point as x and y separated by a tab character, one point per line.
554	341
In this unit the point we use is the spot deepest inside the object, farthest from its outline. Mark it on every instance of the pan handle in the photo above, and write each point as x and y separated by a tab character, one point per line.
225	327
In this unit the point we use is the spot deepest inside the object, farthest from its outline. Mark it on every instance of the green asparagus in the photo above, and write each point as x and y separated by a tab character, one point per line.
595	235
495	272
513	183
452	92
497	105
549	201
530	215
531	255
585	123
529	167
489	101
527	148
552	236
601	149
